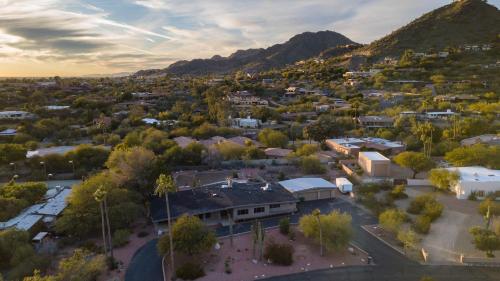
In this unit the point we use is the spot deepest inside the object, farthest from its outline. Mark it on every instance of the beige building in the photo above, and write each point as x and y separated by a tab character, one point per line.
374	164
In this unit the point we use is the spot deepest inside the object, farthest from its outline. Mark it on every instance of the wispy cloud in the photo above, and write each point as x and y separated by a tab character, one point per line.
82	36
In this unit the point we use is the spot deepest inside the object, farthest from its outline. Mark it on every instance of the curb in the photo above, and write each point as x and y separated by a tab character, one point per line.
383	241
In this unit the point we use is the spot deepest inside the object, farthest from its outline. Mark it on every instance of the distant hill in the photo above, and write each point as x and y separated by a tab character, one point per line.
461	22
300	47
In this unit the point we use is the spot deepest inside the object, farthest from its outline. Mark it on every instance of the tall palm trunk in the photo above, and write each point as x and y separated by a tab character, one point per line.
104	240
110	241
170	240
320	238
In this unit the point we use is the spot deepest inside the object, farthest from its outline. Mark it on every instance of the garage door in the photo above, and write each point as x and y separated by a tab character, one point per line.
307	196
325	194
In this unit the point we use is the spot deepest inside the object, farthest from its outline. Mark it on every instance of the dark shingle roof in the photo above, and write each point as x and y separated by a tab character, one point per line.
215	197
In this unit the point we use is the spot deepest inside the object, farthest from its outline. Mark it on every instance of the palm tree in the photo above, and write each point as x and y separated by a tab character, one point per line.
164	185
100	196
317	214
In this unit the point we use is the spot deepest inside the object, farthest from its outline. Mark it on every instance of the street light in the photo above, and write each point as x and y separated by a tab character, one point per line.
13	165
15	177
44	169
72	165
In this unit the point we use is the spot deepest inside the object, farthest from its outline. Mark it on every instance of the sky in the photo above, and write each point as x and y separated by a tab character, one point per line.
82	37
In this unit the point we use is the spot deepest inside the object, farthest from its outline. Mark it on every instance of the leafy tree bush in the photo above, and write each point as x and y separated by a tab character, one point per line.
475	155
190	271
88	157
485	240
311	165
11	153
422	224
82	216
492	205
280	254
272	138
392	219
417	205
443	179
285	226
415	161
190	236
336	229
121	237
408	238
433	210
398	192
230	150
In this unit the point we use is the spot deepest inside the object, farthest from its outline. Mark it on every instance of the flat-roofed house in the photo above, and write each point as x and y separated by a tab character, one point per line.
308	189
346	146
16	115
489	139
372	122
218	202
478	180
374	164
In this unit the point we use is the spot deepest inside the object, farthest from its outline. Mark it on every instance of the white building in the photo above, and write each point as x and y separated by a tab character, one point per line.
440	114
246	122
308	189
482	181
16	115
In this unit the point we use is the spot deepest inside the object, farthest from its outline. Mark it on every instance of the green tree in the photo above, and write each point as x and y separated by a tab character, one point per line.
311	165
190	236
230	150
475	155
82	216
133	167
415	161
443	179
408	238
336	229
392	219
11	153
272	138
489	205
88	157
485	240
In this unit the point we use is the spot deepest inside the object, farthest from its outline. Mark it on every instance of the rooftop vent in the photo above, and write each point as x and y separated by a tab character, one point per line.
266	187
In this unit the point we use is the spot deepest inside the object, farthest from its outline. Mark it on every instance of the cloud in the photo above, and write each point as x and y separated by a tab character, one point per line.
128	35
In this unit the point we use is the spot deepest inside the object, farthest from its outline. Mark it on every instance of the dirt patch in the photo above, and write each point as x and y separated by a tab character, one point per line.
244	267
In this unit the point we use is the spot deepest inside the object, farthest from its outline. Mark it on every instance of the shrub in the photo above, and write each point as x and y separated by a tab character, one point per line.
280	254
121	237
418	204
422	224
190	271
433	210
493	206
398	192
285	226
391	220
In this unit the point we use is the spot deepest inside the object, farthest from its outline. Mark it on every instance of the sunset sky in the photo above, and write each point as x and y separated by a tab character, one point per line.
78	37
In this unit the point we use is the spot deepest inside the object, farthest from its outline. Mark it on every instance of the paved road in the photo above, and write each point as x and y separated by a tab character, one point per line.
390	265
395	273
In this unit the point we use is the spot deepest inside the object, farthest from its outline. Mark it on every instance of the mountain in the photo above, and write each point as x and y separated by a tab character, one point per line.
461	22
300	47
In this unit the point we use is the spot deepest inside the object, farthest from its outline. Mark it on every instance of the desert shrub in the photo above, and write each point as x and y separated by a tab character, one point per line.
398	192
418	204
121	237
280	254
285	226
392	219
422	224
433	210
493	206
190	271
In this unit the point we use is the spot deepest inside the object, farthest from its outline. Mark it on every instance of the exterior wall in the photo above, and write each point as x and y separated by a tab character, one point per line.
284	208
374	168
342	149
464	189
311	195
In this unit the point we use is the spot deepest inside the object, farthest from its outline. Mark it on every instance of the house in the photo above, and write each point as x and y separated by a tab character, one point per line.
245	99
183	142
16	115
276	153
346	146
352	146
488	139
308	189
440	114
478	180
244	141
373	122
8	133
344	185
374	164
220	202
248	122
56	107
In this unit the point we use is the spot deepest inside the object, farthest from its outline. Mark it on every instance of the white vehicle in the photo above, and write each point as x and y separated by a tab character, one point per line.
344	185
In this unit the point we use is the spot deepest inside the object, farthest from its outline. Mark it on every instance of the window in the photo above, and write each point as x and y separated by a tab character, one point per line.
274	206
259	210
242	212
